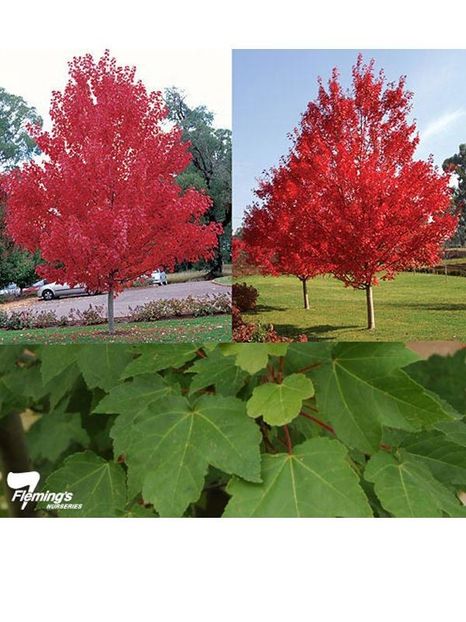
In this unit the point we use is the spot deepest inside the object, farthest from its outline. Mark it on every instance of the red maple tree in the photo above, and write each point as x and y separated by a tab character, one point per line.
361	195
281	234
103	204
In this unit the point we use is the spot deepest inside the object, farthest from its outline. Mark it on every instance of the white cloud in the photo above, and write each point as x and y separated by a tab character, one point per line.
438	125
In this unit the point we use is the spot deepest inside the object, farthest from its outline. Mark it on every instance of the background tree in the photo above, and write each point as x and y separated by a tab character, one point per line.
209	169
104	206
457	164
16	145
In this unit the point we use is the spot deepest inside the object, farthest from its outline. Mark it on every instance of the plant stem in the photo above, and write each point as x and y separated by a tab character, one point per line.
318	422
289	444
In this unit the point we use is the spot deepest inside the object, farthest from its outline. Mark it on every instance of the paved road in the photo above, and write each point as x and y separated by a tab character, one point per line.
131	297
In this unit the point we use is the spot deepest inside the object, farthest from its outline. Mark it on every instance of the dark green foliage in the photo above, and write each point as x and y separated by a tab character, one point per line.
242	429
457	164
210	169
16	265
15	143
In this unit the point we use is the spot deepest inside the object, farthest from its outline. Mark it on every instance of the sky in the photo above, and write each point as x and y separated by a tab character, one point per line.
271	89
205	75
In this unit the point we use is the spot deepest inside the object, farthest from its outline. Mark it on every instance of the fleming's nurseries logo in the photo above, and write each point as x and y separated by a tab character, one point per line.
24	486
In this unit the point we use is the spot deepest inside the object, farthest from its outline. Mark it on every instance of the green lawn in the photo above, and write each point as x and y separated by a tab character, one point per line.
203	329
415	307
224	280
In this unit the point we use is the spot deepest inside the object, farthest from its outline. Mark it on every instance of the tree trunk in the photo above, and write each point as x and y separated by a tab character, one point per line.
215	265
305	294
370	308
110	312
14	457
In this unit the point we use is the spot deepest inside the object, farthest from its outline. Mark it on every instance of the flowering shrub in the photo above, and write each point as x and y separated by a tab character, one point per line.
149	312
177	307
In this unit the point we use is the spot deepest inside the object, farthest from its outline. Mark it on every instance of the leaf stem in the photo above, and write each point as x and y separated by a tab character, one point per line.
307	368
289	444
318	422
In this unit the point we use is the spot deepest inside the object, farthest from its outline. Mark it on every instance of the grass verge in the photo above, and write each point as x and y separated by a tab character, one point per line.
412	307
203	329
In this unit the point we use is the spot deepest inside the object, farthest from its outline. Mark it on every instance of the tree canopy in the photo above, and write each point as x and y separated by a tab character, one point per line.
103	206
352	190
210	167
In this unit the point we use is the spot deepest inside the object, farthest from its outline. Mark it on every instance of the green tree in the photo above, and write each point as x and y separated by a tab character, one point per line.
16	264
457	164
15	143
210	168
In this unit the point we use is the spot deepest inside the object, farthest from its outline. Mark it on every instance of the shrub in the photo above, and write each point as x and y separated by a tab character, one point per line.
93	315
257	333
178	307
245	296
90	316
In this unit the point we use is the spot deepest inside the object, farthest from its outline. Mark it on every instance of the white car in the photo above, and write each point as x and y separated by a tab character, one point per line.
159	277
10	290
49	291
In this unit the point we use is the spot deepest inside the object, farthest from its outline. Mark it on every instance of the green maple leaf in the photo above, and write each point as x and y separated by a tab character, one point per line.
252	357
278	404
53	433
362	388
129	400
219	371
407	488
162	357
307	356
96	483
55	359
446	459
170	445
315	480
103	364
445	376
454	431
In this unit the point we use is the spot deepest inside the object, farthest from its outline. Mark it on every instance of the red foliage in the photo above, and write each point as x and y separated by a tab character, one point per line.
103	205
350	198
242	265
280	233
257	333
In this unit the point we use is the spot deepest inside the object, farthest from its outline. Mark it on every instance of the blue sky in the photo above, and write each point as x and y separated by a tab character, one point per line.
272	87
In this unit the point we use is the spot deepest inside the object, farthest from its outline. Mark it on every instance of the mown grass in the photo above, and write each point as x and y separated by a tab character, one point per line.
224	280
196	275
203	329
412	307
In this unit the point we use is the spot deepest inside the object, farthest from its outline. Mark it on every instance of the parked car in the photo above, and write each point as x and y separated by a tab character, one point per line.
49	291
33	289
159	277
10	290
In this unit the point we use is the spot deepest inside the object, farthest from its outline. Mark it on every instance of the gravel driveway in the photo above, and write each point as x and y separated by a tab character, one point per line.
131	297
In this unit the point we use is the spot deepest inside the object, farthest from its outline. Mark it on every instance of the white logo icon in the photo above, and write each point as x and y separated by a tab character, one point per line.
28	480
24	486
